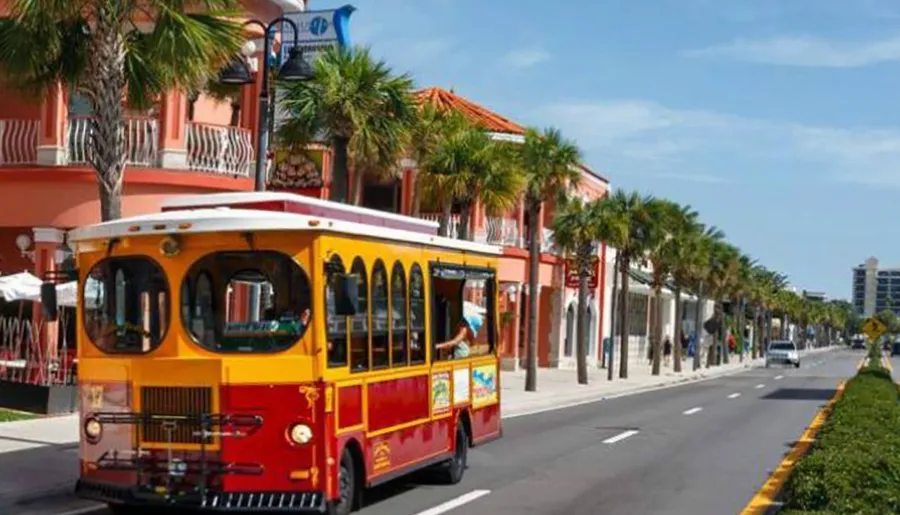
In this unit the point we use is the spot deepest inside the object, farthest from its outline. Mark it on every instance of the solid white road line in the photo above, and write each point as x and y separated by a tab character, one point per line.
693	410
621	436
760	386
455	503
779	377
734	396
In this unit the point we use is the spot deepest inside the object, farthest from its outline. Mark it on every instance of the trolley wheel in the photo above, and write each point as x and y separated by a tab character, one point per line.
454	469
347	487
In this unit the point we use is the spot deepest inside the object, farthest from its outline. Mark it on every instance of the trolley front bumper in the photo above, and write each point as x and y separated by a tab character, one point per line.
210	501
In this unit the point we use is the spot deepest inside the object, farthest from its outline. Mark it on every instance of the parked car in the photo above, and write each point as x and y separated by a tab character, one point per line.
783	352
859	343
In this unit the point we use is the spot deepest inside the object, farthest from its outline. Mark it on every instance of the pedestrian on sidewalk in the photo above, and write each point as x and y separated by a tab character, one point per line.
667	351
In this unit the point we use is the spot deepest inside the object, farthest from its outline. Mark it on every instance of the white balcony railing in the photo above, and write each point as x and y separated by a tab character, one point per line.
220	150
453	231
499	231
141	141
18	141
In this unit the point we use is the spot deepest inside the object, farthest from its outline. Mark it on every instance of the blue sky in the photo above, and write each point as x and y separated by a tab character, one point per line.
776	119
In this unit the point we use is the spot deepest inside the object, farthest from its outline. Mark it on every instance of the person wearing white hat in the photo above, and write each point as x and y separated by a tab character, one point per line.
465	336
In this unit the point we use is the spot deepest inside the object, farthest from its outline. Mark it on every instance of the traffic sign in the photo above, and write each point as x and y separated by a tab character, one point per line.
874	328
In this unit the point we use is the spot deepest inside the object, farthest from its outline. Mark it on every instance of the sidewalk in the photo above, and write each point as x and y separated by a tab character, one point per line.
39	458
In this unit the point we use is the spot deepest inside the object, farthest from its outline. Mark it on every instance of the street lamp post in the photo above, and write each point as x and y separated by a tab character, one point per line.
237	73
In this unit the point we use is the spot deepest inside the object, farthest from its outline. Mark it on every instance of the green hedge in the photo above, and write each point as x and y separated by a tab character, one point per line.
853	467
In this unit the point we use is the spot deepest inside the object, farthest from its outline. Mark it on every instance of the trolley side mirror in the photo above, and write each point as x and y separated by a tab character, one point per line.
49	306
346	295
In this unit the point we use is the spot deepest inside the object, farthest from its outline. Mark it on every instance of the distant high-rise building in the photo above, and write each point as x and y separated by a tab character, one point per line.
815	295
875	289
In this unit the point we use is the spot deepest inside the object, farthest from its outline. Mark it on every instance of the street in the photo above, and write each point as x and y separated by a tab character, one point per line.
702	448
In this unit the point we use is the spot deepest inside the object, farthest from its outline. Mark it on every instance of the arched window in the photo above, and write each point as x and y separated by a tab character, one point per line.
380	338
360	323
336	326
416	315
399	325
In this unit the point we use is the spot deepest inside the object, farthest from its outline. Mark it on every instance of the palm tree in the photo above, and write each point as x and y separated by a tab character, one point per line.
467	166
675	257
697	276
627	221
357	103
426	133
549	165
97	49
723	271
576	231
740	291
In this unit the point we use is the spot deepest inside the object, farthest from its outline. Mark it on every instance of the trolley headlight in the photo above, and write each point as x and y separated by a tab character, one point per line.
93	430
300	434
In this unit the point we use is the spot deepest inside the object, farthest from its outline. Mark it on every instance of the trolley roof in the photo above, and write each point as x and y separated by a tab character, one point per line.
302	205
225	219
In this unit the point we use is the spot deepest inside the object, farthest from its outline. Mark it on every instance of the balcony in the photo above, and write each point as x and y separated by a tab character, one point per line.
211	149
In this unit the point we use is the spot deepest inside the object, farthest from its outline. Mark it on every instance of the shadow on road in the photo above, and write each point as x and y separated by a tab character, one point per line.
801	394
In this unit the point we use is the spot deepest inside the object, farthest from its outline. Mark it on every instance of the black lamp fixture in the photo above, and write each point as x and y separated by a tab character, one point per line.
236	73
294	69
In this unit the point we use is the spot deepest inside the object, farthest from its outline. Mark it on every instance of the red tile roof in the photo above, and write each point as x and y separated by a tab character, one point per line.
442	99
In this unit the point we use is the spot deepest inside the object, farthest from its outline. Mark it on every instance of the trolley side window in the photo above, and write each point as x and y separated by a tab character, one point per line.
258	301
125	304
399	318
336	326
360	323
380	337
416	315
464	312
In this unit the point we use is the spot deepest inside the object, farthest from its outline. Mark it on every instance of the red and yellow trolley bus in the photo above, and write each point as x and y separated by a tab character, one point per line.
269	352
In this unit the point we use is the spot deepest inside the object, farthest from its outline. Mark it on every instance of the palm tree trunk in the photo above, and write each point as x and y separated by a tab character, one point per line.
612	321
465	215
340	170
534	258
724	349
754	346
657	332
416	193
235	114
105	87
698	329
623	318
740	329
446	212
359	178
582	341
679	314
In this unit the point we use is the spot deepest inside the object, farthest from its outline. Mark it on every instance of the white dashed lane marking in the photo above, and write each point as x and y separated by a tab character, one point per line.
621	436
693	410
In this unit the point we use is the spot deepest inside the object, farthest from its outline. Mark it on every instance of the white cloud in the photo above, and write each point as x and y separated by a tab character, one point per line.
804	51
697	144
525	58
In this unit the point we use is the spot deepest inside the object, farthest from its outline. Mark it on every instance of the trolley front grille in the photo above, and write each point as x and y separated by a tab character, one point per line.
171	401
